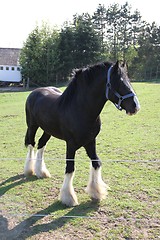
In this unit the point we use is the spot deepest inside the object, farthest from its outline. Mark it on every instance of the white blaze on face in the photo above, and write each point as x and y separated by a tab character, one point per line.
137	103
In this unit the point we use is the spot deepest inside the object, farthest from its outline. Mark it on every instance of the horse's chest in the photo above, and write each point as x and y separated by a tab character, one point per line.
86	133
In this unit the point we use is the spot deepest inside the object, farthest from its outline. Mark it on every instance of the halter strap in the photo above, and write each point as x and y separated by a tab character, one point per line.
120	97
108	85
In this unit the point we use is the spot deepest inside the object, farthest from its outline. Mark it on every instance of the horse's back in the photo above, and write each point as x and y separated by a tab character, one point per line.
43	94
46	91
52	91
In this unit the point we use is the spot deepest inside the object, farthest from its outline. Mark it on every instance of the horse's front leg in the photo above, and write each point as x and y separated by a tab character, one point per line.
96	187
67	193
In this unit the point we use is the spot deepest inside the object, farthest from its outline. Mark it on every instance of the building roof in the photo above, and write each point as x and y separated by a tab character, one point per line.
9	56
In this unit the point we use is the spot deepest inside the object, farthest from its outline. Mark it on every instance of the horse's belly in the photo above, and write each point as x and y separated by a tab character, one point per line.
51	126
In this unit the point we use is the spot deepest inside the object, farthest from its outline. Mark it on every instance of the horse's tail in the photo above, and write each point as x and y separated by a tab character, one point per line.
32	125
26	141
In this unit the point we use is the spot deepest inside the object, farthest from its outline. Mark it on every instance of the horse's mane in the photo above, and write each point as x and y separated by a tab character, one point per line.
82	78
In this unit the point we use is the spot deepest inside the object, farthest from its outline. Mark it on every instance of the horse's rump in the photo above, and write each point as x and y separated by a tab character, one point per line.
41	110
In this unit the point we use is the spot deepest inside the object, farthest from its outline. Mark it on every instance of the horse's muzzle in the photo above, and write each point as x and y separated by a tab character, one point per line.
133	113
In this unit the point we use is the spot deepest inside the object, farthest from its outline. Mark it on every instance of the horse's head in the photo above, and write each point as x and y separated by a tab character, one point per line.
119	89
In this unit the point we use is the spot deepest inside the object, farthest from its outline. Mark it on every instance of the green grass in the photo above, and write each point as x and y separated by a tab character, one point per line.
131	210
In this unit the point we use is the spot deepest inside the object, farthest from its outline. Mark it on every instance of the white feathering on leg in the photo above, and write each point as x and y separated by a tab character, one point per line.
40	168
96	188
30	162
67	193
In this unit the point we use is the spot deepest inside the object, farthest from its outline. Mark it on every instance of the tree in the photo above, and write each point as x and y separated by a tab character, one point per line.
148	51
66	48
30	55
113	16
99	23
38	56
49	55
87	43
125	29
78	45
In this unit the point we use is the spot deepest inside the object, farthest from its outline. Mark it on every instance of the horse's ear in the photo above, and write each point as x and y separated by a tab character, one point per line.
77	72
116	66
125	65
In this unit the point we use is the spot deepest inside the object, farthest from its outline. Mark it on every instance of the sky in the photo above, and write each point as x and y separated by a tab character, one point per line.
19	17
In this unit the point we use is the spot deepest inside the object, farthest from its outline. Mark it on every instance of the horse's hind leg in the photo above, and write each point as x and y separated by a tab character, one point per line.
30	160
40	168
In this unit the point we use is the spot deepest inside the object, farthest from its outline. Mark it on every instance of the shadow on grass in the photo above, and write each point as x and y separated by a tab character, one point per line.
13	182
31	226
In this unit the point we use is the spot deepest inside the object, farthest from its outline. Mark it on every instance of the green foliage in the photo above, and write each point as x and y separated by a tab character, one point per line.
122	29
148	51
78	45
99	22
87	45
66	50
30	55
39	55
50	55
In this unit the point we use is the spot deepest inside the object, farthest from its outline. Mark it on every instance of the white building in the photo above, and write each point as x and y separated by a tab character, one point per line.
9	65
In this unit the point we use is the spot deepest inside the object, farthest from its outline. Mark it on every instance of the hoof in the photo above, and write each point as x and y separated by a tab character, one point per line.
29	173
68	199
67	193
96	188
43	174
29	168
97	192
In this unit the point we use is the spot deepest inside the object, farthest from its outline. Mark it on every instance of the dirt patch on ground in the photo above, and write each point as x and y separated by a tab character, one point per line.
99	226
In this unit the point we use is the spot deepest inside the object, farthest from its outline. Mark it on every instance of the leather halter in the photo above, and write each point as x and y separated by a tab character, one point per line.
120	97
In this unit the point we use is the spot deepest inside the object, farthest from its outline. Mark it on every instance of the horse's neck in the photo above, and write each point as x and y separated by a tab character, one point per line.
89	100
93	102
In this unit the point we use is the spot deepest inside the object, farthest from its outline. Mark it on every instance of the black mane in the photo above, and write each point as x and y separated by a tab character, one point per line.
82	78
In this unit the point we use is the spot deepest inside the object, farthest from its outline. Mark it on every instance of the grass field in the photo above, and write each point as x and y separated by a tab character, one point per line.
130	151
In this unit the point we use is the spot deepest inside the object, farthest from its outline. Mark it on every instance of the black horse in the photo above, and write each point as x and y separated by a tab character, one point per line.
73	116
